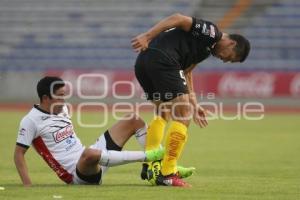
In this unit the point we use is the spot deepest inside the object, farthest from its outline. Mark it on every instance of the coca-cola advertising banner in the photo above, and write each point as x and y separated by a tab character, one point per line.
225	84
249	84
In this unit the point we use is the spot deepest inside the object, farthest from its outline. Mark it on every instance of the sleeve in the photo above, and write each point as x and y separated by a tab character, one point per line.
27	133
206	31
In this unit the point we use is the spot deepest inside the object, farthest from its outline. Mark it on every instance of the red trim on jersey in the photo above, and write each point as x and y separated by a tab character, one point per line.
42	149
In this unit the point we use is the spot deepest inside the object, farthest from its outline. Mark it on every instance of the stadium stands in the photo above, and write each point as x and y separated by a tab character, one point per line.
273	29
61	34
91	34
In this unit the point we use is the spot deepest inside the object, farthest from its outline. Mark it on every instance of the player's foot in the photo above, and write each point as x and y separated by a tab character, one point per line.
184	172
171	180
144	175
155	154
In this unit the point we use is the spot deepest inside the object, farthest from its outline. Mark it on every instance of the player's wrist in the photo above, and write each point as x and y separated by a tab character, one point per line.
193	101
149	35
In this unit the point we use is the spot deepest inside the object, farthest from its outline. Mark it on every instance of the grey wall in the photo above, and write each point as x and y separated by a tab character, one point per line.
19	86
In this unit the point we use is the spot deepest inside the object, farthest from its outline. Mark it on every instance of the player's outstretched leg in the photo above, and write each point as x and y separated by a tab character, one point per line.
155	154
113	158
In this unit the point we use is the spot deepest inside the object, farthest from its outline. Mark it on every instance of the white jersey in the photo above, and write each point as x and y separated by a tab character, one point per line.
53	138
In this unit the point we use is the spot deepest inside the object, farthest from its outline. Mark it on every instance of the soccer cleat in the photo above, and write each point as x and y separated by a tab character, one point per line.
171	180
144	175
184	172
155	154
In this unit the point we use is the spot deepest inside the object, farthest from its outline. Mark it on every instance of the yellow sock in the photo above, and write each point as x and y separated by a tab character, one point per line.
176	138
155	133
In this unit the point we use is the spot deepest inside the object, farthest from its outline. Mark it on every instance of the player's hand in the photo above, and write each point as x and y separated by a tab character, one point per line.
140	42
200	117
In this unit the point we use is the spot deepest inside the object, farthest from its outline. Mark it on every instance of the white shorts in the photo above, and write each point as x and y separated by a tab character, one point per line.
104	142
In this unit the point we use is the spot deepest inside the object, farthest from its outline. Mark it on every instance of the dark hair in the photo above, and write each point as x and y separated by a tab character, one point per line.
242	47
49	85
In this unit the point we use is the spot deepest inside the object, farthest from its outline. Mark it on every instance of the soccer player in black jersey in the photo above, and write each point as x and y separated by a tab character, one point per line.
169	51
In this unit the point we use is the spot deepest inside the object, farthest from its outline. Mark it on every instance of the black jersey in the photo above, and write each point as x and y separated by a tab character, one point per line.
186	48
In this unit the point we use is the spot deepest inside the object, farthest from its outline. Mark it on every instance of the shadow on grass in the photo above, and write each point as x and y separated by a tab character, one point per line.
55	185
18	185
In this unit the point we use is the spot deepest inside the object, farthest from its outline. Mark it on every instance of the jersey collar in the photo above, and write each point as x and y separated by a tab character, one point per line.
36	106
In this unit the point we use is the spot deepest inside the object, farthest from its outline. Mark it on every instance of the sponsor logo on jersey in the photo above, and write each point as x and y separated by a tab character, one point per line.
71	141
45	118
205	31
63	134
212	31
22	131
195	33
204	28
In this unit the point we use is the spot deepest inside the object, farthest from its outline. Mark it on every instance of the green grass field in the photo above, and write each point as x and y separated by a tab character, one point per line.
234	160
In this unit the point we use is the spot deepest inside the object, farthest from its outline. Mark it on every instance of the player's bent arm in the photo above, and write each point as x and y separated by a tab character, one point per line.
199	112
177	20
19	158
174	21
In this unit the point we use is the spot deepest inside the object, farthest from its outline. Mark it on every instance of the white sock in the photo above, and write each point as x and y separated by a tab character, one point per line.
140	136
113	158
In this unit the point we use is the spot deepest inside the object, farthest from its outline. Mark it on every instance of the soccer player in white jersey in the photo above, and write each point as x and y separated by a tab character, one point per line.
49	129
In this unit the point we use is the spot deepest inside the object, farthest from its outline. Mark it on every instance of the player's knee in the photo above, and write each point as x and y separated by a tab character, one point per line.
132	117
90	156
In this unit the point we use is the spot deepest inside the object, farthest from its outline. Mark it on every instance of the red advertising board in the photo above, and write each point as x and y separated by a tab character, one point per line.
249	84
224	84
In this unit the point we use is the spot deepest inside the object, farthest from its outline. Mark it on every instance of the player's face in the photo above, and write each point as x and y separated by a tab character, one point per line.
57	101
224	50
